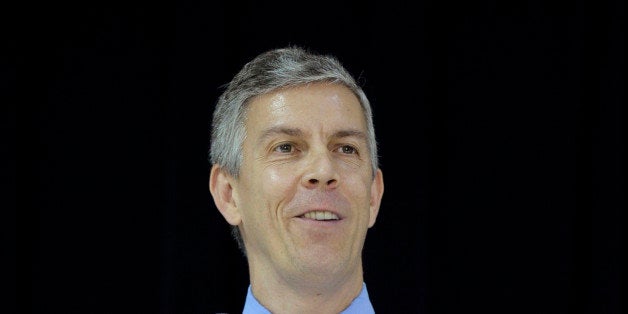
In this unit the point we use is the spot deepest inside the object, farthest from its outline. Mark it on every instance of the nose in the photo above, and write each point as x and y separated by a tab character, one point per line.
320	172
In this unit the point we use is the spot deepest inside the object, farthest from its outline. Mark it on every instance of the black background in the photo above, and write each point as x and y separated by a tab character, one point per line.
500	131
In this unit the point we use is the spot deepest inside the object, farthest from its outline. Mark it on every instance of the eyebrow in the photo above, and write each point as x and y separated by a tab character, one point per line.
280	130
298	132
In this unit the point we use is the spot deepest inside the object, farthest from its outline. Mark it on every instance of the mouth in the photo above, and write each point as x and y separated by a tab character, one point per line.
320	215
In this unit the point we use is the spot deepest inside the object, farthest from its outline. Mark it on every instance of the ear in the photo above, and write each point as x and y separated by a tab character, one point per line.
221	186
377	191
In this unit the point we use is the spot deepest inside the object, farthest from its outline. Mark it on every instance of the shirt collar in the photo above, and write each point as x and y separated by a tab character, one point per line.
361	304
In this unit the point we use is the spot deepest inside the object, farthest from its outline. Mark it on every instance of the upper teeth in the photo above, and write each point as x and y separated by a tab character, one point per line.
321	215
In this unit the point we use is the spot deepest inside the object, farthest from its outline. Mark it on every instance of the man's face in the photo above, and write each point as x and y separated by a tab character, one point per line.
306	194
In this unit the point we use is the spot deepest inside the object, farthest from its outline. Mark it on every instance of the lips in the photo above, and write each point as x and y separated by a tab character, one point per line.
320	215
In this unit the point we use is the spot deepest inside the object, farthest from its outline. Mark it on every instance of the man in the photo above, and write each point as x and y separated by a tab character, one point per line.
295	172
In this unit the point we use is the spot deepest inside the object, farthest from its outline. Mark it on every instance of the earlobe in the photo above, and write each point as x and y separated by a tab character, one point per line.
377	191
222	190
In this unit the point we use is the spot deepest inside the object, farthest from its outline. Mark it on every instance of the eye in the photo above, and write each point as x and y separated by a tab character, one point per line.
284	148
348	149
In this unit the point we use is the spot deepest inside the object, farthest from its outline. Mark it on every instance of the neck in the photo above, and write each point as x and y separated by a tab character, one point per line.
307	293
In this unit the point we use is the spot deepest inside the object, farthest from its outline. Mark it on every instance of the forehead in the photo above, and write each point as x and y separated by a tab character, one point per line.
319	106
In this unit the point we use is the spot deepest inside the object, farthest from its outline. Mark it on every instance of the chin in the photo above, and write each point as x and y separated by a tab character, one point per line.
324	263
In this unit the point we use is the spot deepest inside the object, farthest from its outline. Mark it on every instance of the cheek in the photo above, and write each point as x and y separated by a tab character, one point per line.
360	191
274	176
265	185
278	183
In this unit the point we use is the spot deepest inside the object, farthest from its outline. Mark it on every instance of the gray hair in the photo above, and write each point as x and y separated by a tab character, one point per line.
268	72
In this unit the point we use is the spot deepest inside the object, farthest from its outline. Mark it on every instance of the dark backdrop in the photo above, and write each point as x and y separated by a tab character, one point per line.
500	131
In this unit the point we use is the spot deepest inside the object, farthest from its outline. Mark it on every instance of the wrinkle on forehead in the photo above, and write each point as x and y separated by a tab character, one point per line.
304	103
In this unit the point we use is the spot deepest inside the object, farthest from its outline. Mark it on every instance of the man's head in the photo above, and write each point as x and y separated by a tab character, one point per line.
295	167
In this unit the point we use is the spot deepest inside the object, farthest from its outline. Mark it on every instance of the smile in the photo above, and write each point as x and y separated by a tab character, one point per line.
321	215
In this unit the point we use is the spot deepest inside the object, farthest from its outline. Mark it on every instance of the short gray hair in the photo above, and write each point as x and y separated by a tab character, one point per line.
272	70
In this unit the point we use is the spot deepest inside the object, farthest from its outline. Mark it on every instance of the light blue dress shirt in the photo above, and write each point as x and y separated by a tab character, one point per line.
360	305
